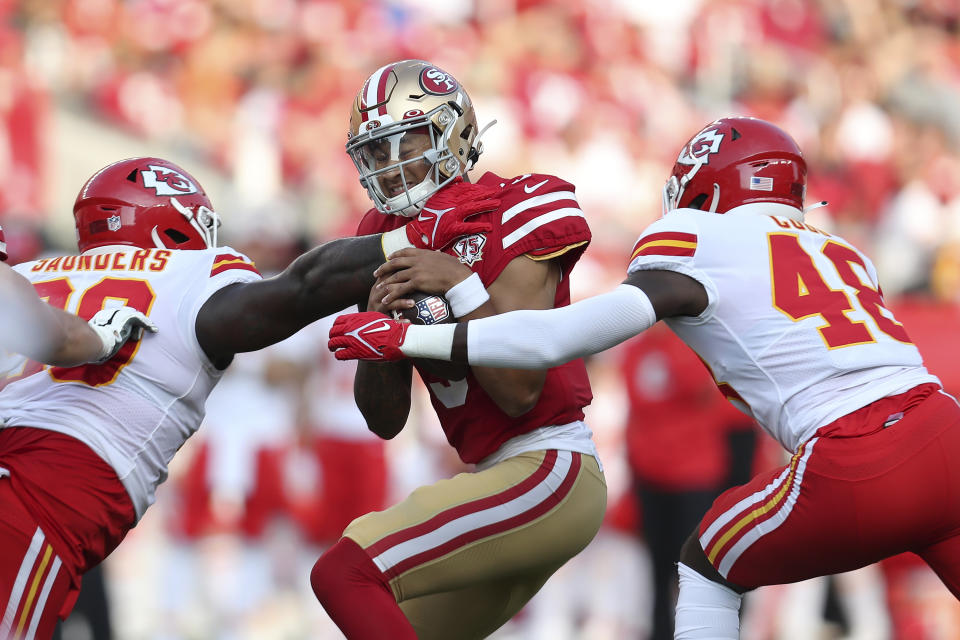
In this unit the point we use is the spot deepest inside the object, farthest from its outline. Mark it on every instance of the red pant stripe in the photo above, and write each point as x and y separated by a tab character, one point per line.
495	528
551	483
442	518
748	516
31	588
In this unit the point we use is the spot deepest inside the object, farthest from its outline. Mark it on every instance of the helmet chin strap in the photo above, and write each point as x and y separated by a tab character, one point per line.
156	238
716	198
474	153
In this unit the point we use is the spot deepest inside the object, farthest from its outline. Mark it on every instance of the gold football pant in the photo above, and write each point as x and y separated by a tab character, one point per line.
463	555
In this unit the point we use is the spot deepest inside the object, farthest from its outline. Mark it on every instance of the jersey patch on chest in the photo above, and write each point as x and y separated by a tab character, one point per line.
469	249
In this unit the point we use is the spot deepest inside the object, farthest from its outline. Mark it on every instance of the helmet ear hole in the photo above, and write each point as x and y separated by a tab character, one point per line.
176	236
698	202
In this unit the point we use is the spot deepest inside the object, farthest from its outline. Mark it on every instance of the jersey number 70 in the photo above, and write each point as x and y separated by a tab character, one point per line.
127	291
800	291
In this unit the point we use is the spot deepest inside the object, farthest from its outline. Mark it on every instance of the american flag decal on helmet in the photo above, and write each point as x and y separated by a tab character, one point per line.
666	243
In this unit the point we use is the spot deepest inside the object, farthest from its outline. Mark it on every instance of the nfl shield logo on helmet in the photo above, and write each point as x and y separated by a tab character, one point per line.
432	310
113	223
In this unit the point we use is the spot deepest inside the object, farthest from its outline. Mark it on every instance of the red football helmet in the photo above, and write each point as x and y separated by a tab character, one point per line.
735	161
3	246
147	203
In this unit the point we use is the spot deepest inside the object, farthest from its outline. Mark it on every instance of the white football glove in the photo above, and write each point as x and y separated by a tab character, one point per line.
117	325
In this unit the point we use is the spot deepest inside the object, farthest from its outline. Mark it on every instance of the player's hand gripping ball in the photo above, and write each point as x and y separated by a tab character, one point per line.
430	309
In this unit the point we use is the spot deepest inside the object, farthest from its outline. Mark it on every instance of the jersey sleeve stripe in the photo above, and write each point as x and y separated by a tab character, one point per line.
515	236
549	254
668	243
665	249
228	256
537	201
669	235
236	263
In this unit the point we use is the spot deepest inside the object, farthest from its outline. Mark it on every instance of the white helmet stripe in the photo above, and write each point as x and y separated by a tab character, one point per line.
375	90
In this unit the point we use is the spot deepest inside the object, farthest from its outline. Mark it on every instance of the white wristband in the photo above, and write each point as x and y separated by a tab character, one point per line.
393	241
434	341
467	296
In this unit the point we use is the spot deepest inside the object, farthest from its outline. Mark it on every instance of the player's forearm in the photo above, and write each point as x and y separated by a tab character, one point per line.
382	393
334	275
78	343
33	328
538	339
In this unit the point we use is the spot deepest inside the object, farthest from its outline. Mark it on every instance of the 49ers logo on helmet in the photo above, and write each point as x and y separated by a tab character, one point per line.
700	148
437	82
167	182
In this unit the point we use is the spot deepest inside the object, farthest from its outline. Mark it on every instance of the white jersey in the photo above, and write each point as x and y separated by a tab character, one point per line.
795	332
138	409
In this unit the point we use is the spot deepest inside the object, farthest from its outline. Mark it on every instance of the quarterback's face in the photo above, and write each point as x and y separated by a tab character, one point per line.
402	157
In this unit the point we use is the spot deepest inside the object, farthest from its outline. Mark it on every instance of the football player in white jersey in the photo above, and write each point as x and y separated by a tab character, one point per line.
46	334
792	324
83	448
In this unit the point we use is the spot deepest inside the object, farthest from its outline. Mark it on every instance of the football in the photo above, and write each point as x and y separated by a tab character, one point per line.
428	309
432	309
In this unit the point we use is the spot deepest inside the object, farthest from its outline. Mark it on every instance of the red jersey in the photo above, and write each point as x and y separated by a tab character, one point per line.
538	217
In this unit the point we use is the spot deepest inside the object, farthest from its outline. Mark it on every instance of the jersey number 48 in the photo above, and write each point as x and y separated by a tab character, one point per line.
800	291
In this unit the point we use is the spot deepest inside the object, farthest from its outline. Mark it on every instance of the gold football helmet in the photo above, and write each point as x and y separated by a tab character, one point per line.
412	131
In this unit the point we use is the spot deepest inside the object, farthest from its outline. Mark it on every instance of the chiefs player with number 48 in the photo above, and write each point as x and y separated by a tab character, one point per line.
83	448
458	558
792	324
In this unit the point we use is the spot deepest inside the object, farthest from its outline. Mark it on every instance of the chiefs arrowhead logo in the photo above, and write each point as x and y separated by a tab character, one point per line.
167	182
700	148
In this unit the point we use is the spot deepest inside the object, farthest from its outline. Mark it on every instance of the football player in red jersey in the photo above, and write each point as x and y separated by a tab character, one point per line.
793	326
459	558
83	448
46	334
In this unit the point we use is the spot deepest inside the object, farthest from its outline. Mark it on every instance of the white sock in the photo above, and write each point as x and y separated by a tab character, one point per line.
706	610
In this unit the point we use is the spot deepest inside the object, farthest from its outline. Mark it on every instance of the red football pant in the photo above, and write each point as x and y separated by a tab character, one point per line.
35	587
847	500
62	510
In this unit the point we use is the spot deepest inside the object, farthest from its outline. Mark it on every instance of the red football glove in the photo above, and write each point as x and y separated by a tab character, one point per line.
367	336
443	217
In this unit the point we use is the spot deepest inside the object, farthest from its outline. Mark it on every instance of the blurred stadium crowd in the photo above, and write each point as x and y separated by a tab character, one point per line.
601	92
